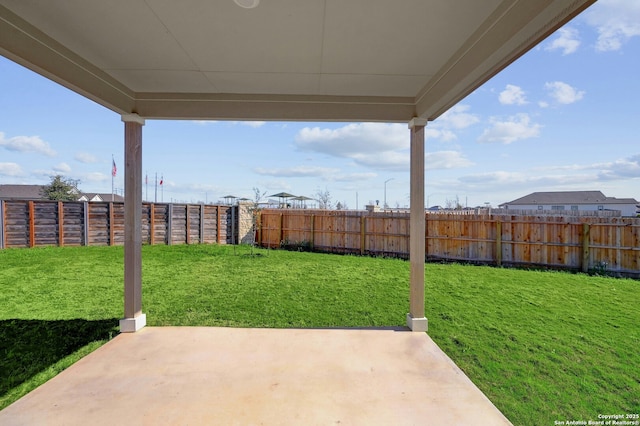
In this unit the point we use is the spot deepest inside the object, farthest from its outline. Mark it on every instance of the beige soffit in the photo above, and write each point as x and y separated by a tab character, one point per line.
355	60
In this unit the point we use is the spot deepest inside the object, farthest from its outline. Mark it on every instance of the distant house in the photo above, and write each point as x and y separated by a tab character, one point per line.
574	201
21	192
98	197
34	192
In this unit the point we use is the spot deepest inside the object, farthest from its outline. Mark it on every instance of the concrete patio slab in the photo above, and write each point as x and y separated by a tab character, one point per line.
231	376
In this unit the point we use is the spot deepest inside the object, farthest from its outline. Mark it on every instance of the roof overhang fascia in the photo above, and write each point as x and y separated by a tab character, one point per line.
516	27
274	107
28	46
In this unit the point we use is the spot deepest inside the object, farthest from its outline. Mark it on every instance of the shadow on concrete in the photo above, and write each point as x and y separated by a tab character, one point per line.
28	347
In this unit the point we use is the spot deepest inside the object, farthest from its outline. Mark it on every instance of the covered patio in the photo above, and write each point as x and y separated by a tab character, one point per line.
320	60
227	376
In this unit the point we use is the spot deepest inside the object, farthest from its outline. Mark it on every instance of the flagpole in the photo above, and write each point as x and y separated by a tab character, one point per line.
162	188
156	189
146	186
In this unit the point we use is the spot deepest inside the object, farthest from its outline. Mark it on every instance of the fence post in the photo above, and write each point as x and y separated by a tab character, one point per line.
585	247
233	224
218	224
2	222
86	223
187	228
313	228
152	223
32	225
169	220
499	242
281	231
202	227
112	228
363	225
60	224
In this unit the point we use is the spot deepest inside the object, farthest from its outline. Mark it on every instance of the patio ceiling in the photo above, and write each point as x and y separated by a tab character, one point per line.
327	60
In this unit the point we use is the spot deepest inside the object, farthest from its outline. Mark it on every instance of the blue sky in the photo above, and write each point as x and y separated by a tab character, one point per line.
563	117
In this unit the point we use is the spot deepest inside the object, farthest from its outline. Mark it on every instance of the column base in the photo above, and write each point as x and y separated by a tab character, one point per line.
417	324
131	325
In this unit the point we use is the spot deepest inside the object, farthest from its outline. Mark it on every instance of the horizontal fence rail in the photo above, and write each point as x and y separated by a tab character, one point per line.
57	223
585	243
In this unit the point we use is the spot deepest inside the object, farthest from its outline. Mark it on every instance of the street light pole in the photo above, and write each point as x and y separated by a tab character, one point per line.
385	193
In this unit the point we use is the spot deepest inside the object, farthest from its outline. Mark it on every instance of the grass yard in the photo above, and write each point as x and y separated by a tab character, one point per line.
543	346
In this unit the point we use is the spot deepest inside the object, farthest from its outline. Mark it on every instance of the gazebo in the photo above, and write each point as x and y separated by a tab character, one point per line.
317	60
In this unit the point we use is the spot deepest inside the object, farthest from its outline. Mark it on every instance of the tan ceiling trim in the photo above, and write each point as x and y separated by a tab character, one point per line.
248	97
28	46
286	108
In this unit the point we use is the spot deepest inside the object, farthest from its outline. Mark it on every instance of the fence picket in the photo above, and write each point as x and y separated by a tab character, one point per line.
543	240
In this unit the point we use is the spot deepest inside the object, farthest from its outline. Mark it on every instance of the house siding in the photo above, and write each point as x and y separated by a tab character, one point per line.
628	210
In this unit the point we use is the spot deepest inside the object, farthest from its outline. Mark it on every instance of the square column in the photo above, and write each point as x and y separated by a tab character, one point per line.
416	319
134	319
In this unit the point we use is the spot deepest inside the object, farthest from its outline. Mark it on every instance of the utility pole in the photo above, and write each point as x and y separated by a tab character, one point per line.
384	206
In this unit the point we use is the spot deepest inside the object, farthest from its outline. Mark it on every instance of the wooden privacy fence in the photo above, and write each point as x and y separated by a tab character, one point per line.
56	223
606	244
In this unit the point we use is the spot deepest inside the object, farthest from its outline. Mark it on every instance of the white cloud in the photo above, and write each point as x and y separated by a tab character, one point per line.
254	124
85	157
10	169
443	135
563	93
351	177
616	21
62	168
96	177
389	160
568	41
386	146
620	169
26	144
456	117
353	139
512	95
297	171
376	145
446	160
514	128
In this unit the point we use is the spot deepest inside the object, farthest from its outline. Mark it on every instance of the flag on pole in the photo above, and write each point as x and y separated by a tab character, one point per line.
114	169
161	180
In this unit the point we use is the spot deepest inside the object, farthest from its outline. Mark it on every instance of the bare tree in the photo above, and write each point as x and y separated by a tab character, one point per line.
324	198
254	210
453	204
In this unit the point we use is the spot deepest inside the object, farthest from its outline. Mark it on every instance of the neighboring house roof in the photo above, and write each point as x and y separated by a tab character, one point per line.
569	197
21	192
100	196
34	192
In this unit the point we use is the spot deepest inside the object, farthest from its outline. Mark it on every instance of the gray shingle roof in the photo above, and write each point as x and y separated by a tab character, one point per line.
21	192
34	192
570	197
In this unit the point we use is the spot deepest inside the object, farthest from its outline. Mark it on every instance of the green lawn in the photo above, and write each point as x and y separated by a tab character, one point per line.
543	346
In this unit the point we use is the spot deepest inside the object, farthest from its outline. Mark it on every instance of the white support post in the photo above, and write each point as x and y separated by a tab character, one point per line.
134	319
416	319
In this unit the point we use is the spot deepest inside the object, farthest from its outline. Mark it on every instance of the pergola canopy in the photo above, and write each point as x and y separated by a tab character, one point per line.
322	60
